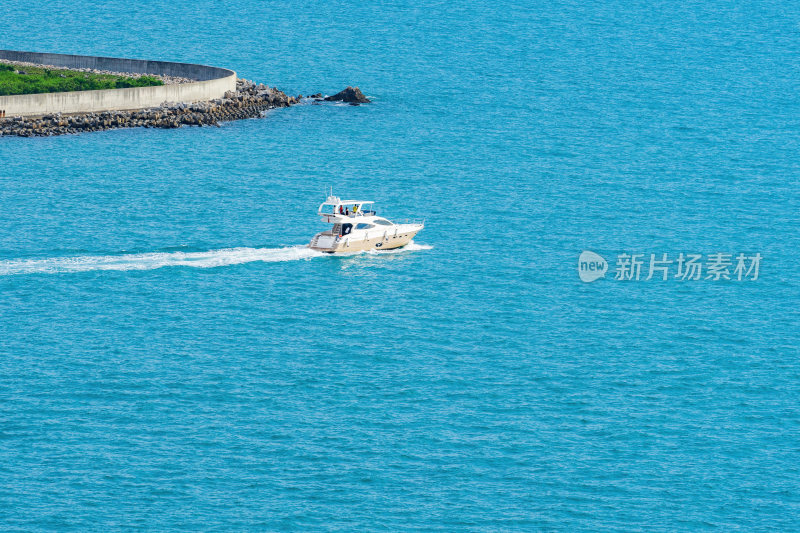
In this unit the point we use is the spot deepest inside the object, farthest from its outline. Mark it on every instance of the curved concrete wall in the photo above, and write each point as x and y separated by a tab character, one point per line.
212	83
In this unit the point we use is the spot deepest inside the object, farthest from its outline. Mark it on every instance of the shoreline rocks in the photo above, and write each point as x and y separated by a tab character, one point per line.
250	100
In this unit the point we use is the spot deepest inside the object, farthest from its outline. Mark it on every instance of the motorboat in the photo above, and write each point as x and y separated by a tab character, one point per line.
357	227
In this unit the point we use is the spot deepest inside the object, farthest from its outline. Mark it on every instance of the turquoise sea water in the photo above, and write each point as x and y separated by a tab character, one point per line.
171	359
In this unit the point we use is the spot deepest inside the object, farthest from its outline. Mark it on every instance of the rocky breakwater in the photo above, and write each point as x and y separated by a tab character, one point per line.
248	101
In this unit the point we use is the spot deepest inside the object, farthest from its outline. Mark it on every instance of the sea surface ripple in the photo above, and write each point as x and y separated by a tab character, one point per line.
471	384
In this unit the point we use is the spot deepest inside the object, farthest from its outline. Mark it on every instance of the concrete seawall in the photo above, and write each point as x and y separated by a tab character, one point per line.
213	82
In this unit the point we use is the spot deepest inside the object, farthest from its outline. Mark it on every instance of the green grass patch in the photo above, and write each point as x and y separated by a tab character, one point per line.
41	80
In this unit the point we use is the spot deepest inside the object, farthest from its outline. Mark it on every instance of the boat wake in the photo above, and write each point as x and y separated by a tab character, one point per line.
151	261
154	260
410	247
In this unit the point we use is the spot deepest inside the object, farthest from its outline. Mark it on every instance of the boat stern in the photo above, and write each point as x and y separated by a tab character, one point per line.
324	242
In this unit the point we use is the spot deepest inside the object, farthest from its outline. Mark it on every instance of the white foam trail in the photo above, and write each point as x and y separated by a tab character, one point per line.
150	261
154	260
410	247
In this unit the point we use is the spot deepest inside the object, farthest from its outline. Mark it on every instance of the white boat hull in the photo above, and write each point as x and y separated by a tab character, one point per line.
386	240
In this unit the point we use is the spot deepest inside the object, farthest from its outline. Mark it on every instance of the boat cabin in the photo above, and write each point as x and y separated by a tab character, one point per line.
333	208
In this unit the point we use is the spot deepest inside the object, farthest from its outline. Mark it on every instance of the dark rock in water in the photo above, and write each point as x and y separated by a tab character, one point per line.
317	95
350	95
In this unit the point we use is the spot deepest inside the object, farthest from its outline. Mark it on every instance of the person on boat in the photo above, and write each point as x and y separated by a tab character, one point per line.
341	210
